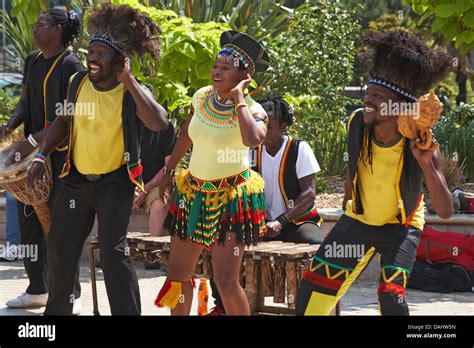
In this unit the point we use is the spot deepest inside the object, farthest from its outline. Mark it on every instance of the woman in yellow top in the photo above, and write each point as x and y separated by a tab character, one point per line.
218	203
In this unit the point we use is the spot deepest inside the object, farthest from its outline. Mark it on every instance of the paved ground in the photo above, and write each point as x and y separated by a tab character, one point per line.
360	300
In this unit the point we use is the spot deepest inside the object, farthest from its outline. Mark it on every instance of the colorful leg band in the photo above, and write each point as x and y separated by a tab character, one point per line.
325	283
393	288
322	281
393	280
170	293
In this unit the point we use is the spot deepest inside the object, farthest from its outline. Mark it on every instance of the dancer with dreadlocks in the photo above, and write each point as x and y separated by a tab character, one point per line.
383	205
218	203
288	167
45	80
103	157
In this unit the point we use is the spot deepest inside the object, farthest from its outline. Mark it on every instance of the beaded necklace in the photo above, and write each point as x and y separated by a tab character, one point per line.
217	112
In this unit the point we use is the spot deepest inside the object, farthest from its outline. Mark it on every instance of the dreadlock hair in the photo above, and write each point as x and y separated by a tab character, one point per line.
368	139
69	22
280	108
132	30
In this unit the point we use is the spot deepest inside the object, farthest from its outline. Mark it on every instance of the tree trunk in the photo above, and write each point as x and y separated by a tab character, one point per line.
78	44
461	80
466	68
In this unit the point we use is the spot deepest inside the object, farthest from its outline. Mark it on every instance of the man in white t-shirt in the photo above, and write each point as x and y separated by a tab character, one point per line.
288	167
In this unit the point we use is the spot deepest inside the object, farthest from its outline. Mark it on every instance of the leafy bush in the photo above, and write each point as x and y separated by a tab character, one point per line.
18	30
452	170
191	43
455	20
313	63
7	105
187	55
258	18
455	134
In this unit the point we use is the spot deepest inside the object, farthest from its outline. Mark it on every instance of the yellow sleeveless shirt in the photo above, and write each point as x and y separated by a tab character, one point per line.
377	188
97	133
218	150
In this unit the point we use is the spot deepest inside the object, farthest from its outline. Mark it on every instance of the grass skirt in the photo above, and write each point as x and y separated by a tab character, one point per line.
204	211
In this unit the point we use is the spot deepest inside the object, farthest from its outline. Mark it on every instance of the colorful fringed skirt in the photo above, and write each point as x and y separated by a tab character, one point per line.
204	211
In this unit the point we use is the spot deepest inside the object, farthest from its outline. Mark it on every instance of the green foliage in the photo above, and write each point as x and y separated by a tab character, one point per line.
187	56
463	115
28	8
455	134
7	105
262	19
18	29
372	10
191	32
258	18
446	91
188	47
454	19
312	65
321	184
326	134
389	22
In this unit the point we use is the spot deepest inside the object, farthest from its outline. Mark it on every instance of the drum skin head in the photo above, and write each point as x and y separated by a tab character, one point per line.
16	169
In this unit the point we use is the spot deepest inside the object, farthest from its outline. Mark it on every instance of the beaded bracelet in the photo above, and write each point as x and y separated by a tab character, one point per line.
240	105
32	140
169	172
38	159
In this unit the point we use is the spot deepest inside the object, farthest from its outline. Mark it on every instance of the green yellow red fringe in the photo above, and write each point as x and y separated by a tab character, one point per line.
205	211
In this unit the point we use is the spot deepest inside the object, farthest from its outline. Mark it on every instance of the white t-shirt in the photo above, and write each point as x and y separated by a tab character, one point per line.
306	164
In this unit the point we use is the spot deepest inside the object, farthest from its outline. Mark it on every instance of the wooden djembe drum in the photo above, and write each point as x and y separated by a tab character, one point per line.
13	179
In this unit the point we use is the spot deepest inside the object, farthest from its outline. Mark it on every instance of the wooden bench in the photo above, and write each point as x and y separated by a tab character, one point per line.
270	274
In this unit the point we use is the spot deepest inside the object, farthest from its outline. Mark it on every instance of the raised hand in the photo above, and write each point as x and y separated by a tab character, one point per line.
238	91
423	157
125	75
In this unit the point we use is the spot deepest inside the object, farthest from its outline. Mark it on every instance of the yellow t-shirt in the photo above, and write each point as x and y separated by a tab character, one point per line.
97	139
218	150
378	189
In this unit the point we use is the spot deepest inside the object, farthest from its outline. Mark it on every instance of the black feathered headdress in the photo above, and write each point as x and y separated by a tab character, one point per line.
405	64
124	29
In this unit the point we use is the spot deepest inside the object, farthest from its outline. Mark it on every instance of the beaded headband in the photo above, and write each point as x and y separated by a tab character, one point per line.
232	54
108	42
393	87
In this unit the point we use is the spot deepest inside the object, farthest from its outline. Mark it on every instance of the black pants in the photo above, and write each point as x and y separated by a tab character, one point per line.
343	256
308	233
75	208
31	234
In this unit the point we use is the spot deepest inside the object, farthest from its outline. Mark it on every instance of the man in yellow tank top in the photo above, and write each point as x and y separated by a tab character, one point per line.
102	163
383	203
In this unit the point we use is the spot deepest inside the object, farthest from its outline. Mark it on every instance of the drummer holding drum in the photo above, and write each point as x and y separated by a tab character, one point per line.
45	80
